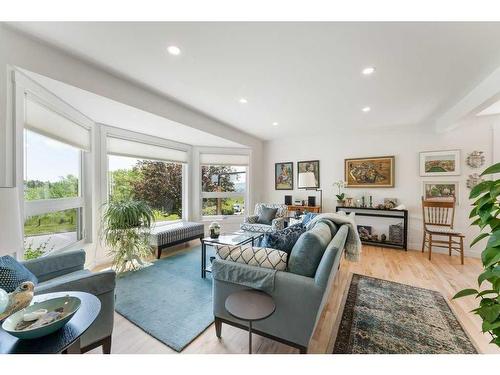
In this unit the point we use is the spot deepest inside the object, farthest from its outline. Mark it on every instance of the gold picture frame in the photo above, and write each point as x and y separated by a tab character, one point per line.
369	172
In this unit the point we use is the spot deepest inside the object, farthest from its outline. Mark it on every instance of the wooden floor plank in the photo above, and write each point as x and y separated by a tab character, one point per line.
444	274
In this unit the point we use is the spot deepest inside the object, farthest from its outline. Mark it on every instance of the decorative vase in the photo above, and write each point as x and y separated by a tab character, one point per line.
214	230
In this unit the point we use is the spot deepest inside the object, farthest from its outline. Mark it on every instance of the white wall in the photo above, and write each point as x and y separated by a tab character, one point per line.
331	148
19	50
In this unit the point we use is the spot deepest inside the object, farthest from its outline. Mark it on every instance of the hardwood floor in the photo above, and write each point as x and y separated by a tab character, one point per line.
443	273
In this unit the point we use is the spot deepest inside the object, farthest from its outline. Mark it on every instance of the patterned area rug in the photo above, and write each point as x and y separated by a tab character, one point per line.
169	299
385	317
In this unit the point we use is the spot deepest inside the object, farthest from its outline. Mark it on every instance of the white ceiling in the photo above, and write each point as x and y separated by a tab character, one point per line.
493	109
110	112
306	76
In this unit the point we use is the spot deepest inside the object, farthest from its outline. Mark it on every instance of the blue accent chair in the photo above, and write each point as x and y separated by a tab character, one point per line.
65	272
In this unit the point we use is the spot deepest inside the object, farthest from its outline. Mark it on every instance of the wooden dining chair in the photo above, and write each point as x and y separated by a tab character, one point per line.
438	216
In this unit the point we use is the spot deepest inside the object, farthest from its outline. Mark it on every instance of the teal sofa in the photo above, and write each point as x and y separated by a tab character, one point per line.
65	272
298	298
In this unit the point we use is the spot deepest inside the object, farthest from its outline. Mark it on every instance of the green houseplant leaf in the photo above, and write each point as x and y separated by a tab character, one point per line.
495	168
465	292
484	214
125	231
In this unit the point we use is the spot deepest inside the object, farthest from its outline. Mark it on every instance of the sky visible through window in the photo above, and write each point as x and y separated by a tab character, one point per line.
49	160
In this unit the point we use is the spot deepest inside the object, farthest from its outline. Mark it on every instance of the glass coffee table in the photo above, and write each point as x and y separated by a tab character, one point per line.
231	239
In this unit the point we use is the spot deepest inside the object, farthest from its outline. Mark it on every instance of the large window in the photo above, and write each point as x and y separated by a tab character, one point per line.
158	183
52	193
223	190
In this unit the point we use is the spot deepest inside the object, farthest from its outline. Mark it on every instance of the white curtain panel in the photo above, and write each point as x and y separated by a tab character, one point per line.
47	122
124	147
224	159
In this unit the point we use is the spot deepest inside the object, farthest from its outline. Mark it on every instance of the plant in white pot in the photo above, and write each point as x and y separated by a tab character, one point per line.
340	196
125	231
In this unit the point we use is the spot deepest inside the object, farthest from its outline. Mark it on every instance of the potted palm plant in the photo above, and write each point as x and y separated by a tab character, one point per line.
125	231
485	212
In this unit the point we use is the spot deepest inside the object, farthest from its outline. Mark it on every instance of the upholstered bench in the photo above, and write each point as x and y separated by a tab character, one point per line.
173	234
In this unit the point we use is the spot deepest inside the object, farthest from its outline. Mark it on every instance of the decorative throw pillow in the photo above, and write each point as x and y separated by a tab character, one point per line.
267	215
308	250
253	256
283	239
308	217
13	273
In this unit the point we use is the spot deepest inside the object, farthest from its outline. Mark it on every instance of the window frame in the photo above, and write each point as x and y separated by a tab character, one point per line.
24	86
113	132
227	194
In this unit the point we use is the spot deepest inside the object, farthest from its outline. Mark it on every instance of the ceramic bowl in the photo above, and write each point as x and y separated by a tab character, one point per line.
69	304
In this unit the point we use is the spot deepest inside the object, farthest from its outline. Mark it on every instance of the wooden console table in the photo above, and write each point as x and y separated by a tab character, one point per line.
382	213
315	209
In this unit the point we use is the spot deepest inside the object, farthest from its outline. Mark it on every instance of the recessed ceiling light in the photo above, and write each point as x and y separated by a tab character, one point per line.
275	123
366	109
368	70
174	50
243	101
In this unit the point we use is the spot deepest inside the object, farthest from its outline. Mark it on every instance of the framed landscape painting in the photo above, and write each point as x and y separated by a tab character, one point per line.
440	163
369	172
440	190
283	176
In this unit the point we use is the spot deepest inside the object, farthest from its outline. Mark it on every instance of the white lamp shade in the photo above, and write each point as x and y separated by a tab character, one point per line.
11	237
307	180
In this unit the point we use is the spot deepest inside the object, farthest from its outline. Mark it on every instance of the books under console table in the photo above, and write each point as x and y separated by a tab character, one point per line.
390	235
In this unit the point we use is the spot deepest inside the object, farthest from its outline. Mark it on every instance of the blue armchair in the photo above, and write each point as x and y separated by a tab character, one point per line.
65	272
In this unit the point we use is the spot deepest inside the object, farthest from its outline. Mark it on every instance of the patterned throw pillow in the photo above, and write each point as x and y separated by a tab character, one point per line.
254	256
283	239
13	273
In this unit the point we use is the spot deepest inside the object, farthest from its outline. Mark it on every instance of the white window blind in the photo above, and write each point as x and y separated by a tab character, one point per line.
47	122
139	150
224	159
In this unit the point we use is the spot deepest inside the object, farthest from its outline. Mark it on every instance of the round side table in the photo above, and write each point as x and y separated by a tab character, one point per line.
250	306
66	339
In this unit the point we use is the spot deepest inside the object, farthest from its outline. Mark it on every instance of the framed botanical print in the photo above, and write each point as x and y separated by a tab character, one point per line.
308	174
283	176
440	190
374	172
440	163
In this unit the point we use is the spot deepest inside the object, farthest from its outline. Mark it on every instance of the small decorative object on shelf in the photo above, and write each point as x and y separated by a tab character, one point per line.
214	229
348	202
396	233
340	196
473	180
390	203
363	204
371	201
475	159
383	237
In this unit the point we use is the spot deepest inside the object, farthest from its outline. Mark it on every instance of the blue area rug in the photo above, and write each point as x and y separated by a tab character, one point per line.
169	299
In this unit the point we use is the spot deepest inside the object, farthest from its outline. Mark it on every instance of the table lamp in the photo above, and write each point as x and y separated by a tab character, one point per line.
11	237
307	181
